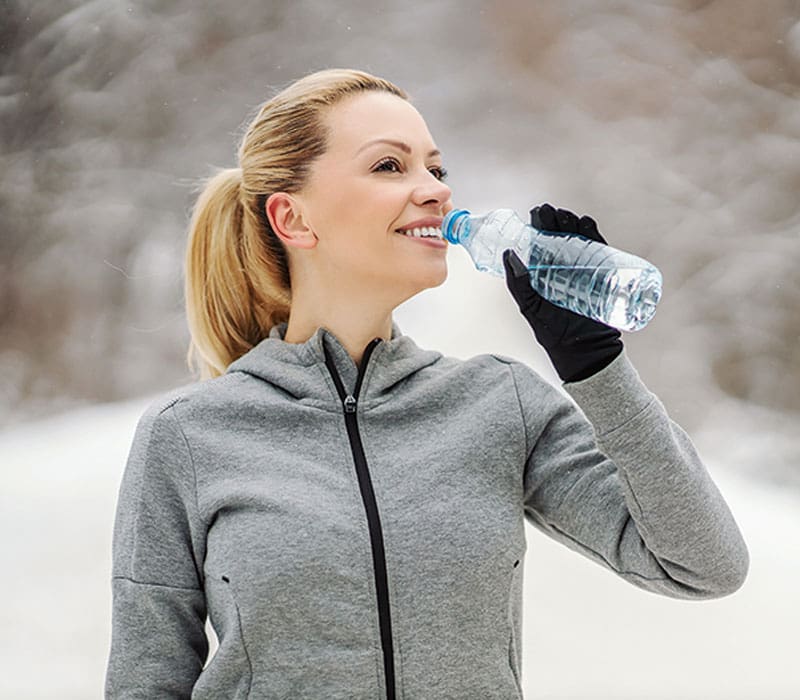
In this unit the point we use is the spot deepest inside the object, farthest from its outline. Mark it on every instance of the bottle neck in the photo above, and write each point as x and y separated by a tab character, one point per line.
456	226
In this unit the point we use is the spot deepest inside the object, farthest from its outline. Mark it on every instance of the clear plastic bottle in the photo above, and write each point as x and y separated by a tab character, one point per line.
574	272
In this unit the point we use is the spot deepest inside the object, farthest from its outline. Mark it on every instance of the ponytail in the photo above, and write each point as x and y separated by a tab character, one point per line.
234	294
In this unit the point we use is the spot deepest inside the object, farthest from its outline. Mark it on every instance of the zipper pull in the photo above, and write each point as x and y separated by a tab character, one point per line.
350	404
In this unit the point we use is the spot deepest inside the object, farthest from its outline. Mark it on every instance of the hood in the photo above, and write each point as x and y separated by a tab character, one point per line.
300	369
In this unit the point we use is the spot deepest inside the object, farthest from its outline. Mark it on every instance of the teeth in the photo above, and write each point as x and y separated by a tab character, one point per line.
425	232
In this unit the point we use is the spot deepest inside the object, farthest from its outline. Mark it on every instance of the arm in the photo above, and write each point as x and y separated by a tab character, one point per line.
158	641
627	489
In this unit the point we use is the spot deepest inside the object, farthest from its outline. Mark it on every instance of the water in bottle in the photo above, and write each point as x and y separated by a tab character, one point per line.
571	271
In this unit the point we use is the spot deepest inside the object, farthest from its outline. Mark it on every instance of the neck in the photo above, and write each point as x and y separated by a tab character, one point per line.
354	330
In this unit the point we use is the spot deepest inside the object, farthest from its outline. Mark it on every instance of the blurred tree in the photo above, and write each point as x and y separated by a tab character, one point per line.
683	115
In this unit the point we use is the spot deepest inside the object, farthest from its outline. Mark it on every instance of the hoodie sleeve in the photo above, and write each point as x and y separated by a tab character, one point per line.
626	487
158	641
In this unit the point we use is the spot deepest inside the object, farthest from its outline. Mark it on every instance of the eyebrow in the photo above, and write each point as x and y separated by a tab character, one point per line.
399	144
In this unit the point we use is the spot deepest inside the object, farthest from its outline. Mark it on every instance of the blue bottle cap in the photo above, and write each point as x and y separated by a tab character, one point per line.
451	223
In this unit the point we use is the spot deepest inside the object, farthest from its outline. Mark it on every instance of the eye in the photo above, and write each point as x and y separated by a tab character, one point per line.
439	173
385	164
390	165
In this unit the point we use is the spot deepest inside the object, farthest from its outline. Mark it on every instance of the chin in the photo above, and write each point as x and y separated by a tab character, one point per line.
430	283
441	279
434	277
434	281
416	280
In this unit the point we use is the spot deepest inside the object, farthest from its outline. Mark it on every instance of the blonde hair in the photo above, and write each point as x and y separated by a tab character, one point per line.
237	273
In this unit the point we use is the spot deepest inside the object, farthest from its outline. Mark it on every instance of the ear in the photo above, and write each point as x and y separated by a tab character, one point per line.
286	218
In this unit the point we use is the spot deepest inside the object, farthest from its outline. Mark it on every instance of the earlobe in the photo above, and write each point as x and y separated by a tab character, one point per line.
286	218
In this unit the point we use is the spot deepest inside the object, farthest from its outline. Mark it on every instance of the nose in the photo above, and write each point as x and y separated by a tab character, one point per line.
431	190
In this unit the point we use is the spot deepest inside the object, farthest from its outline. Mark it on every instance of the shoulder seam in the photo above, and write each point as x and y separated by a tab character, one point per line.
169	404
186	392
501	358
191	464
510	366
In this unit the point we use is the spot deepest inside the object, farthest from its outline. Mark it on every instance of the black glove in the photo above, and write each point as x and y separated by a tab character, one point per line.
578	346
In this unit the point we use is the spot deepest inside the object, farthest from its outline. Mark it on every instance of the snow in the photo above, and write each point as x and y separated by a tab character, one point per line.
587	634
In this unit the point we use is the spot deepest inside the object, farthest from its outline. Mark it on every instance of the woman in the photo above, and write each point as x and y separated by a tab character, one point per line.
347	507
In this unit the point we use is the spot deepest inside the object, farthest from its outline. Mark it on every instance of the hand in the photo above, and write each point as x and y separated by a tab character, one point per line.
577	346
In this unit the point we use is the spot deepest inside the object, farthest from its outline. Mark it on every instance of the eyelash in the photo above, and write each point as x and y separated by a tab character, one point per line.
441	176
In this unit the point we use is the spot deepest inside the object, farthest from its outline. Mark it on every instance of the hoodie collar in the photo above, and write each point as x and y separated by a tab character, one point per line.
300	369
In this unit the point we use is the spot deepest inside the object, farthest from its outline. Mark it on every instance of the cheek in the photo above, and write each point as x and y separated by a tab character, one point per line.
376	213
362	210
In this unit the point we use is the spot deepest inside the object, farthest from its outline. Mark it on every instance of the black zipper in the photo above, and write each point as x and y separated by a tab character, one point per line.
350	404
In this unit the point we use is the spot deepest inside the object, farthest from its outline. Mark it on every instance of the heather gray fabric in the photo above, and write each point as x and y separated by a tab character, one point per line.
240	501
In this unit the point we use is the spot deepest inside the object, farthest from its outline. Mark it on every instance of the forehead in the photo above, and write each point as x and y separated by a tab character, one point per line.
366	116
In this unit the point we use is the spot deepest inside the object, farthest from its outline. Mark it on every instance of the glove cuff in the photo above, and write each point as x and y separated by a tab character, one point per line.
579	358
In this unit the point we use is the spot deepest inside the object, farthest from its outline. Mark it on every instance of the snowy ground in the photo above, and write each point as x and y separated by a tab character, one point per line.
587	634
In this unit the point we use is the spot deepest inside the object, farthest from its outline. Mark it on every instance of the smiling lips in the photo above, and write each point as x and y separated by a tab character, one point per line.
422	232
429	227
426	222
427	236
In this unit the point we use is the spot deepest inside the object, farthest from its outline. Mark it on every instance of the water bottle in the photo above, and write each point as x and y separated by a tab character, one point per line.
574	272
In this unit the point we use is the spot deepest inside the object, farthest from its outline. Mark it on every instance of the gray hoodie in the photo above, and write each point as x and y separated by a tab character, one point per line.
358	532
